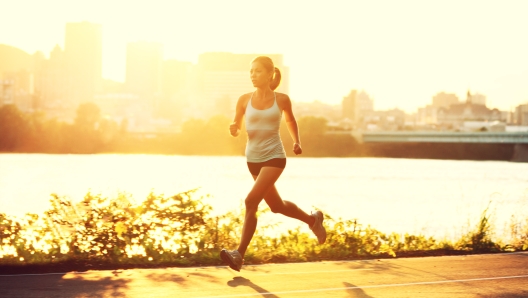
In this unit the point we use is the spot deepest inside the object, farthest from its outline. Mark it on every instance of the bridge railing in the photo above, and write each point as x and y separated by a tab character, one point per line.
446	137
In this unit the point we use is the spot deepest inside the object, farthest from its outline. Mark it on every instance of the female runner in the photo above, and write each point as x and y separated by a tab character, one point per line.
266	158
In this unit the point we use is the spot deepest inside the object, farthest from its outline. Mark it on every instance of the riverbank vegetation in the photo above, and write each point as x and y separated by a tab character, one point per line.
91	133
179	230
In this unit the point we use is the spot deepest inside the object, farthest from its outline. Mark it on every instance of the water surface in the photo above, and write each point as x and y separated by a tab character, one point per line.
434	197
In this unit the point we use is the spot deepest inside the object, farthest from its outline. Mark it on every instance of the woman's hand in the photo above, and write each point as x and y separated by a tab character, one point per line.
297	148
234	130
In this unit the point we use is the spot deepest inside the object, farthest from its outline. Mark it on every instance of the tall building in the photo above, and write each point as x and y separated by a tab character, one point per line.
472	110
444	100
364	102
223	77
349	105
52	77
356	104
83	61
16	78
521	115
144	70
428	115
478	99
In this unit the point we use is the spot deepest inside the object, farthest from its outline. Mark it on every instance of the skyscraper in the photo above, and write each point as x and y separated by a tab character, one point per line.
356	105
15	77
349	106
364	103
83	61
52	78
444	100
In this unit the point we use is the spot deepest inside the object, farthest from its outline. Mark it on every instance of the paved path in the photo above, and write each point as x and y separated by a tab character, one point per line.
496	275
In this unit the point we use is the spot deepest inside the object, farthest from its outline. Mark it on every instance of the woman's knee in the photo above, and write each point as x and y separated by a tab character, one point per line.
251	204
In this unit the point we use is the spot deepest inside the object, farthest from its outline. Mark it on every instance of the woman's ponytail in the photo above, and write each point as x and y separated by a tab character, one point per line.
275	80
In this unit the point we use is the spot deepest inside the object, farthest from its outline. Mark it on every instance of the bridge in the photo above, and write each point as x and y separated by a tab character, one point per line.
517	140
446	137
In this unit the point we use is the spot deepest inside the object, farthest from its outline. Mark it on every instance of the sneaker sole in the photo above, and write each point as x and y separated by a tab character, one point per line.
227	259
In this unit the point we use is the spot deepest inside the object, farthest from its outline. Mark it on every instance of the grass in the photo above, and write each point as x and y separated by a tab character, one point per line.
101	232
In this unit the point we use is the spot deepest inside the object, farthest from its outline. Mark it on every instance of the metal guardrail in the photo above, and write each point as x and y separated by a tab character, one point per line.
446	137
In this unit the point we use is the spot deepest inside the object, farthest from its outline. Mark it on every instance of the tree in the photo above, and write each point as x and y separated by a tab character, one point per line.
14	128
217	133
312	126
84	137
88	115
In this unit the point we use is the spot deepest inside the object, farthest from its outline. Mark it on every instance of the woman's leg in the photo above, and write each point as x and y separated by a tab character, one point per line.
263	182
314	221
290	209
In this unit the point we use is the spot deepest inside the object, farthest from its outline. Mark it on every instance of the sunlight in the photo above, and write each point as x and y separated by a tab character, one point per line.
8	250
100	227
402	53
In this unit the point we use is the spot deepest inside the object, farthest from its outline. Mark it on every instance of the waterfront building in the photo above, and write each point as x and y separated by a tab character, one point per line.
356	105
478	99
349	106
16	78
455	115
444	100
427	116
521	115
364	102
52	78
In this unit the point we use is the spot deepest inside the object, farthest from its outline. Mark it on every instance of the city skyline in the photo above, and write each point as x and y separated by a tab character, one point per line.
401	54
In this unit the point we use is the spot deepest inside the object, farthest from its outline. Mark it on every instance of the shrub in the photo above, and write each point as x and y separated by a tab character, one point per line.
178	230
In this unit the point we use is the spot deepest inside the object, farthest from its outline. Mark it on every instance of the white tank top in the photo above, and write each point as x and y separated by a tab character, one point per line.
264	142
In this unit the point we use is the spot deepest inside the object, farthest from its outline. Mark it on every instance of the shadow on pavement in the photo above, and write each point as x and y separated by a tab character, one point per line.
356	293
183	279
55	285
375	266
241	281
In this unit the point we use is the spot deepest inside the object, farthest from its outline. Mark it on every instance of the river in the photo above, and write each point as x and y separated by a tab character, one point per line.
440	198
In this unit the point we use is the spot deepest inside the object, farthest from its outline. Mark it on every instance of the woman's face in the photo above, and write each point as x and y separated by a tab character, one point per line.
259	76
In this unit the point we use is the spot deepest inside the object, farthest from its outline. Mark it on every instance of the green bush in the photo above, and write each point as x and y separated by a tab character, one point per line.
479	240
179	230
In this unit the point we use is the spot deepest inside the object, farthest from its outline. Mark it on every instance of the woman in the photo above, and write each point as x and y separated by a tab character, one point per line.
265	154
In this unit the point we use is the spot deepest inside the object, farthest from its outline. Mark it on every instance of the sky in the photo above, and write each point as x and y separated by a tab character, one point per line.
401	52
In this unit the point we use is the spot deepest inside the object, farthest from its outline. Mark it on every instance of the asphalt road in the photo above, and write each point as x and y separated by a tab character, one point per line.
491	275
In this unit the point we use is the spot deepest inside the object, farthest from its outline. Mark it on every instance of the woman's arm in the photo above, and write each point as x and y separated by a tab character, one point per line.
291	124
234	128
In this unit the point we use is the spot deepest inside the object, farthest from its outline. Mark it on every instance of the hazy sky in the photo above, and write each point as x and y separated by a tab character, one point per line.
400	52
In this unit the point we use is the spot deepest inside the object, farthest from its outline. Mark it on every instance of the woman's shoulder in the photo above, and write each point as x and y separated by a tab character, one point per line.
245	96
283	99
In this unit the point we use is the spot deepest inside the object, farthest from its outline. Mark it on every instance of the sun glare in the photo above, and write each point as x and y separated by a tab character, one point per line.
402	53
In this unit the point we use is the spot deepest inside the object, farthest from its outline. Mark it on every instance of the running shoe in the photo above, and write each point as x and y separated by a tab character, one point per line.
232	258
318	228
